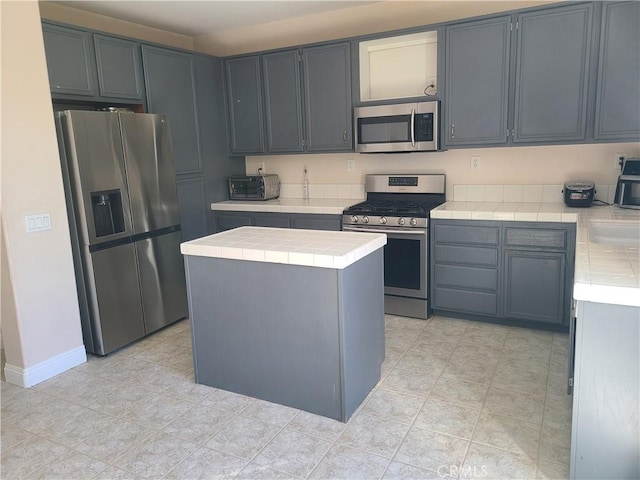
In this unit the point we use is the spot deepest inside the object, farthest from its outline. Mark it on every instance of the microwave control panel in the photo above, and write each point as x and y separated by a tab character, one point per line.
424	127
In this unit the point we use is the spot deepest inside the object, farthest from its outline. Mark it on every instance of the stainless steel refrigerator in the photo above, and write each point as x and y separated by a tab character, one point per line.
125	226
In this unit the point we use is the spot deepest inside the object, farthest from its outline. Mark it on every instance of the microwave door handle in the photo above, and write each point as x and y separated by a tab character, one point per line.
413	128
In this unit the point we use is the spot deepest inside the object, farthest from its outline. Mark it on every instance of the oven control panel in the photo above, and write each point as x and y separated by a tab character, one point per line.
403	181
373	220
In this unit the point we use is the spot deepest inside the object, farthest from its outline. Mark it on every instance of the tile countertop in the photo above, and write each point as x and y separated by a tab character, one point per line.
313	248
333	206
604	273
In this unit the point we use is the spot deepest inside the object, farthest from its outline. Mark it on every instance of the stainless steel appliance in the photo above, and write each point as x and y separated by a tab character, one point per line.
399	206
579	194
124	222
405	127
628	187
254	187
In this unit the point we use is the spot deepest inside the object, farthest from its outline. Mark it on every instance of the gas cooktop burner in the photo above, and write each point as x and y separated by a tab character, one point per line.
393	207
397	201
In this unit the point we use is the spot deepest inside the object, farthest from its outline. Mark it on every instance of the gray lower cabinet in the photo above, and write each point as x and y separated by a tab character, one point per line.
477	82
510	272
465	267
537	281
316	222
70	61
191	202
119	66
534	285
226	220
277	220
244	102
617	114
552	73
605	427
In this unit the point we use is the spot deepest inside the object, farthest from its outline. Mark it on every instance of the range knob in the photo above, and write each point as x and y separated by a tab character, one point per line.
383	220
365	219
354	218
401	221
413	222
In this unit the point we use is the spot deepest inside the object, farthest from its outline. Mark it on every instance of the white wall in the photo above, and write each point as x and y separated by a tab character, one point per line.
359	19
40	316
73	16
546	165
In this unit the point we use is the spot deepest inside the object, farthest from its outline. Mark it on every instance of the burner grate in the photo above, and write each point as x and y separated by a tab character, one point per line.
393	207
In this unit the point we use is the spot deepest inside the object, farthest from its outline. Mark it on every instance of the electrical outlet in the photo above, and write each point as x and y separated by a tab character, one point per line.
351	165
261	169
475	162
617	161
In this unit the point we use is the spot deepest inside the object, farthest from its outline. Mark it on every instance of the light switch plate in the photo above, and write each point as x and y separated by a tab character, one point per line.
38	223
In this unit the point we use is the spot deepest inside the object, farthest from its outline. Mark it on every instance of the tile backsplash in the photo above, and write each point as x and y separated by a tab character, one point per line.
521	193
323	190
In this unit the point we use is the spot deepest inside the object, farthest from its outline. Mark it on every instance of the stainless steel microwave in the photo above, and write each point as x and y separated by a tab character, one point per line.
405	127
628	187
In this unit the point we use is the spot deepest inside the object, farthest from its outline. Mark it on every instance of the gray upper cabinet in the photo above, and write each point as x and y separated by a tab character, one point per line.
305	108
552	72
328	106
477	79
244	100
70	61
171	89
618	94
283	101
119	66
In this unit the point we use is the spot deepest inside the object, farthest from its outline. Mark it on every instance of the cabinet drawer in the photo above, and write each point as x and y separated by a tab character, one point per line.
535	237
481	303
278	220
466	277
467	235
466	255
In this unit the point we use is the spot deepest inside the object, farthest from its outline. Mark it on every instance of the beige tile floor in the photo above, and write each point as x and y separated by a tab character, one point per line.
457	399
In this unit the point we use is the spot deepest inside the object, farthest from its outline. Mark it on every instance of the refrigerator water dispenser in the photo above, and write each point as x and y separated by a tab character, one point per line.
108	217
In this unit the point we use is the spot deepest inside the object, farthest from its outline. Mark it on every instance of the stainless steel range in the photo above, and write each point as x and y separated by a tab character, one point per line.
399	206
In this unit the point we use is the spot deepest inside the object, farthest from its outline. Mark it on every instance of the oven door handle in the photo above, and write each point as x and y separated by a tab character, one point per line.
414	231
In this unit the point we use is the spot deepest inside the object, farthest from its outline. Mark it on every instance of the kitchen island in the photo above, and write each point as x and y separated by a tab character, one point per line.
294	317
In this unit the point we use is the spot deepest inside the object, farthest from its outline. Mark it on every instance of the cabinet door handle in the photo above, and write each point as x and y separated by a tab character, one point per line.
453	125
344	137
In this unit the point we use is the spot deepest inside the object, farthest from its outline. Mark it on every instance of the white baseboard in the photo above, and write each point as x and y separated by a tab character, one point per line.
30	376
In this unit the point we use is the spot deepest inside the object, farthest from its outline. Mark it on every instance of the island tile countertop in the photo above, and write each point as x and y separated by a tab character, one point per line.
333	206
604	272
313	248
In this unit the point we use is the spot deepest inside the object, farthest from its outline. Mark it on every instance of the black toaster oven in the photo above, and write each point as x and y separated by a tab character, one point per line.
254	187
